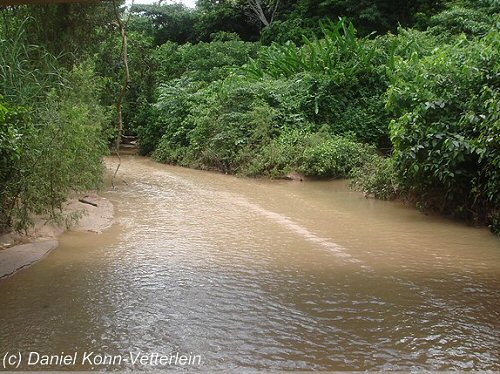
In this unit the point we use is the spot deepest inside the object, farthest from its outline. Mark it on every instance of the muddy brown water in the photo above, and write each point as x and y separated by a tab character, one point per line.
262	275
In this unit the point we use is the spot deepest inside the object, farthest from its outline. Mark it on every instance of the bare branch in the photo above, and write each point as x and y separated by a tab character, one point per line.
274	10
256	7
262	13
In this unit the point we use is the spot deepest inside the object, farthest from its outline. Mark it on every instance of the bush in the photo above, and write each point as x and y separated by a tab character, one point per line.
377	177
314	155
51	134
279	157
205	62
354	107
229	121
338	80
224	123
458	20
446	132
167	115
182	72
333	157
227	125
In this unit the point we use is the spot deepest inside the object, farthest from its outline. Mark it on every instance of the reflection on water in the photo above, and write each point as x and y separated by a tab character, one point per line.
262	274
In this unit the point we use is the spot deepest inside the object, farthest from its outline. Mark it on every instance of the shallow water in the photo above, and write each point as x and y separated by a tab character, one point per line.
260	274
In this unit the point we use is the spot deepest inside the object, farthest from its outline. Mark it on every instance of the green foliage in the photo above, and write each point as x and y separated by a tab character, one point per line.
338	53
204	62
279	157
354	106
235	126
369	15
226	124
222	125
311	154
343	79
213	16
51	134
331	156
140	95
182	71
467	20
231	125
168	115
70	31
27	71
289	30
446	132
166	22
225	36
377	177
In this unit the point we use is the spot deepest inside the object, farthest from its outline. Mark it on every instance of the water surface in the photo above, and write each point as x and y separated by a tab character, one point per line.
263	275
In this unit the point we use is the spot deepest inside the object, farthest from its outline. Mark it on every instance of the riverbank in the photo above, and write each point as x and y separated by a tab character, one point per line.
18	251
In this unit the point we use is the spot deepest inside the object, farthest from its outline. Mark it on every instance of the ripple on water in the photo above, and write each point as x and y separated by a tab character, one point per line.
248	281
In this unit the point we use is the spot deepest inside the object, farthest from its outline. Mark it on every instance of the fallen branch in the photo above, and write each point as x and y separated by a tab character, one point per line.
87	202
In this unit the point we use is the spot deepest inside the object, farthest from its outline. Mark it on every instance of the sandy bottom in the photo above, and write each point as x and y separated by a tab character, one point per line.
18	251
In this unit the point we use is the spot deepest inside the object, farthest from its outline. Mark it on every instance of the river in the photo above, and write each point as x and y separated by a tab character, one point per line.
260	274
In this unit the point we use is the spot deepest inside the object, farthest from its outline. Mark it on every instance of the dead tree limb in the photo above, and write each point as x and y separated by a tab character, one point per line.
84	201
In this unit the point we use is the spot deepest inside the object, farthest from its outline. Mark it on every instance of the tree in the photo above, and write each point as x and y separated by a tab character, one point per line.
263	12
214	16
70	30
167	22
367	15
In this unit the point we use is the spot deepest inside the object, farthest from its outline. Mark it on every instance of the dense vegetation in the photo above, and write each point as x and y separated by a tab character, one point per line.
52	135
401	96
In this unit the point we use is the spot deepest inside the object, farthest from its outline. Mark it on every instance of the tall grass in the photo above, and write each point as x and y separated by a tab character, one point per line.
51	138
27	71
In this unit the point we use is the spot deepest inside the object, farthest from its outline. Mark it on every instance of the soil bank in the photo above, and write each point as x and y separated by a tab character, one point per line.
19	251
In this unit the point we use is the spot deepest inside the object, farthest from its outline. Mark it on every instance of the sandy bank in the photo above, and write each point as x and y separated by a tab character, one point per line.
19	251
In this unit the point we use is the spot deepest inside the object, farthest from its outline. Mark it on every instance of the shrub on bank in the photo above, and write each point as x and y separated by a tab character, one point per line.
51	133
377	177
223	123
168	114
446	134
311	154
